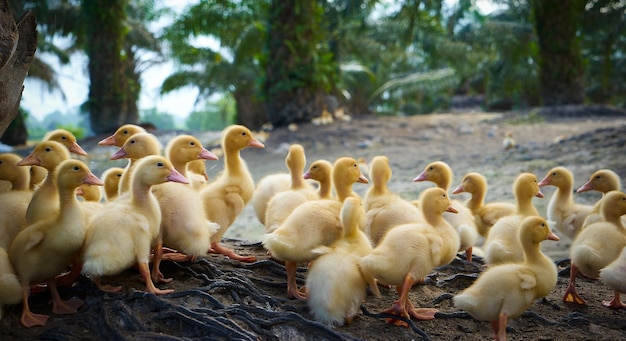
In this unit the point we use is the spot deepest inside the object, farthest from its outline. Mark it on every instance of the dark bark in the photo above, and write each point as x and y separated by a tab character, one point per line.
249	110
18	43
561	67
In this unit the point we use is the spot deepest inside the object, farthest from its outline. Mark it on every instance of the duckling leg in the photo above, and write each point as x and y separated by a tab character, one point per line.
292	286
468	253
570	293
58	305
499	327
145	273
399	306
216	247
107	288
157	275
615	303
28	318
69	278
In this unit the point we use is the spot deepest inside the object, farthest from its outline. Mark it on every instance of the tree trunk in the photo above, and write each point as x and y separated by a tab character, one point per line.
561	71
18	43
109	89
249	109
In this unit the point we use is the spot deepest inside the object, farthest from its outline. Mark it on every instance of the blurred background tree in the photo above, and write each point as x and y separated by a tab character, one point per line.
284	61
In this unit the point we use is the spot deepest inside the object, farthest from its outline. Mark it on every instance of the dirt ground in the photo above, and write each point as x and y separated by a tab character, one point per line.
219	299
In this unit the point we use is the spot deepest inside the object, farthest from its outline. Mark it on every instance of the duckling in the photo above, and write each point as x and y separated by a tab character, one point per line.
89	193
568	216
125	230
267	187
44	203
505	291
502	244
597	245
37	176
321	171
10	288
440	174
136	147
17	177
111	178
508	142
485	214
312	224
614	276
603	181
384	208
196	173
65	138
409	252
226	197
44	249
121	135
283	203
335	284
13	203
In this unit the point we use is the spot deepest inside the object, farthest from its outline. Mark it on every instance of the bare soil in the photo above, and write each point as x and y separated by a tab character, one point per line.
217	298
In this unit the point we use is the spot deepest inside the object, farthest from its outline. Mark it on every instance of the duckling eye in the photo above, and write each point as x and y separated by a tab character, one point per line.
125	132
354	165
63	137
314	167
76	168
160	164
597	176
554	174
243	133
192	143
132	141
543	225
431	168
119	175
48	149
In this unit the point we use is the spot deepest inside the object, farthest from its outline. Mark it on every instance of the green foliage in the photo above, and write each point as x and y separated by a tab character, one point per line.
79	132
216	116
161	120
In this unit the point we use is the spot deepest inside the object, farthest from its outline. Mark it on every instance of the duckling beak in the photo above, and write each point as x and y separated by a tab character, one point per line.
421	177
91	179
76	149
205	154
362	179
120	154
109	141
586	187
539	194
256	143
451	209
80	192
306	176
30	160
175	176
552	236
544	182
458	190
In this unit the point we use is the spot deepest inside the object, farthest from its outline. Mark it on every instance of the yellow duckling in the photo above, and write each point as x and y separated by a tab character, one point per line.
321	171
603	181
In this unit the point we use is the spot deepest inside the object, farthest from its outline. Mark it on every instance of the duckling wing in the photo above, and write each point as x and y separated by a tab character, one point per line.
528	279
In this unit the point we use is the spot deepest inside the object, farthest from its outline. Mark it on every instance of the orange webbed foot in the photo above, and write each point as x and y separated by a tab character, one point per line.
219	249
615	303
67	307
29	319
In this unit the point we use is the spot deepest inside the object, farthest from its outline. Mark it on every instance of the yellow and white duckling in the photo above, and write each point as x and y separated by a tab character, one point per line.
125	230
603	181
13	203
485	214
597	245
282	204
614	276
45	202
321	171
566	215
502	244
10	287
313	224
440	174
111	178
184	226
136	147
409	252
335	284
225	198
67	139
44	249
385	209
122	134
505	291
267	187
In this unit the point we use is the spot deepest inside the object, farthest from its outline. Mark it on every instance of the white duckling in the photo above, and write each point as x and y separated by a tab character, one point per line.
603	181
111	178
597	245
614	276
282	204
45	202
409	252
385	209
335	284
10	288
566	215
505	291
440	174
44	249
502	244
136	147
321	171
124	232
313	224
225	198
485	214
65	138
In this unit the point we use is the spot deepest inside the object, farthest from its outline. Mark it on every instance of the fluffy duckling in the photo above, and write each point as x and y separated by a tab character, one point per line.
184	226
312	224
227	196
409	252
196	173
508	142
335	284
282	204
485	214
18	177
614	276
65	138
45	202
267	187
124	231
440	174
89	193
321	171
136	147
122	134
111	178
37	176
10	288
597	245
568	216
603	181
14	202
507	290
44	249
502	244
384	208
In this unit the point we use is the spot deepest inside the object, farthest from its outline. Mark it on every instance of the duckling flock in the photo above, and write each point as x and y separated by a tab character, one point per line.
165	207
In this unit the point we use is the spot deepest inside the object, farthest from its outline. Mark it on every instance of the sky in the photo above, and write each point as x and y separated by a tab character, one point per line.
74	81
